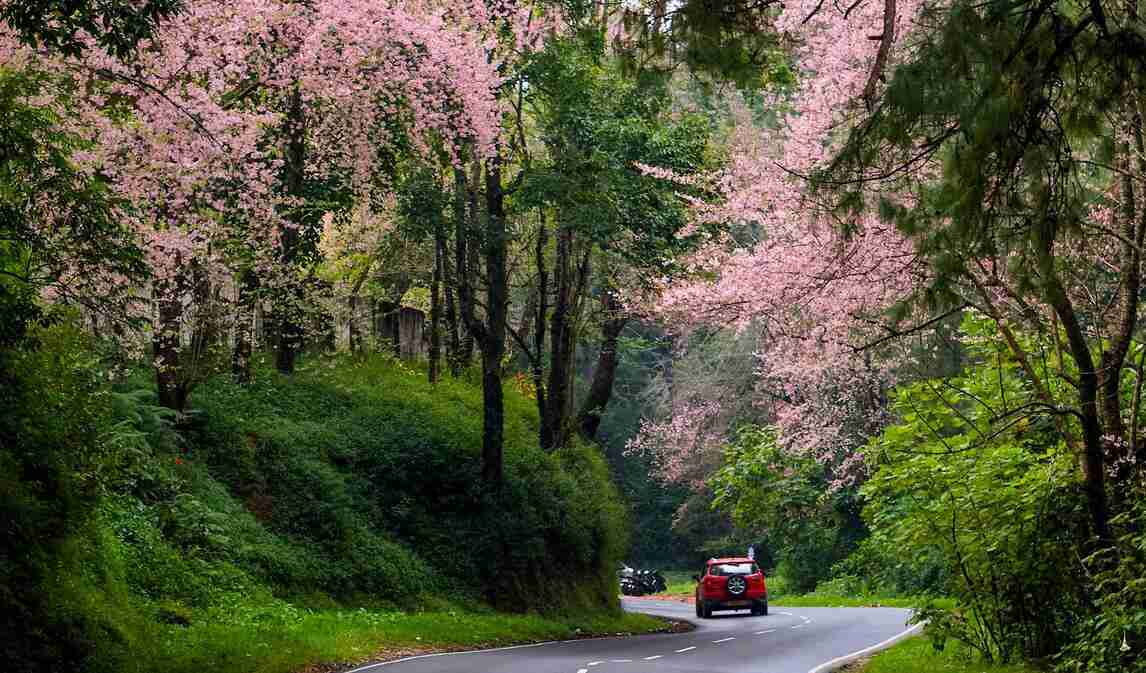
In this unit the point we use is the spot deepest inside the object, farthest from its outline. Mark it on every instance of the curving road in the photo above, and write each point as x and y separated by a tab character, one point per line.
789	640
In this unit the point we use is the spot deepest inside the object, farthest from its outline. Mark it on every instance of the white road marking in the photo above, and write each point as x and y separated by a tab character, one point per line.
686	649
785	613
380	664
621	661
724	640
655	656
760	633
847	658
594	663
582	670
798	626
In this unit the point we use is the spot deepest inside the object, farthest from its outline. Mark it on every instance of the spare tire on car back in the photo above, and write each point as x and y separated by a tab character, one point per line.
737	585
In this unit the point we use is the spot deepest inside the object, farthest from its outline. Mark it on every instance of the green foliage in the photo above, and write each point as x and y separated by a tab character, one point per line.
274	507
63	449
116	25
597	125
917	655
652	504
999	502
37	246
786	499
1113	639
352	454
874	569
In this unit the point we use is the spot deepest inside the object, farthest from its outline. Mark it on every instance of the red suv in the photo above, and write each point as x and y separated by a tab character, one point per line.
731	584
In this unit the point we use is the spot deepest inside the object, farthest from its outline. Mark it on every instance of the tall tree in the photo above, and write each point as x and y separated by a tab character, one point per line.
599	130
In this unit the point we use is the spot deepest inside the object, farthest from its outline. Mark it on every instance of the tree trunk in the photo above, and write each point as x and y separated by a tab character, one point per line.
436	308
463	192
488	333
601	389
473	265
1114	358
560	344
289	330
453	334
244	325
1093	464
570	288
204	329
497	304
165	342
542	309
353	332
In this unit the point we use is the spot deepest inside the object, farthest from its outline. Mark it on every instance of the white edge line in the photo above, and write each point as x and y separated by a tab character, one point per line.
724	640
848	658
686	649
379	664
655	656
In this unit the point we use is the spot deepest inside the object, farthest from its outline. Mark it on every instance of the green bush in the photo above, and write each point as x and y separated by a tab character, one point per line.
352	454
1113	640
787	500
1002	507
354	483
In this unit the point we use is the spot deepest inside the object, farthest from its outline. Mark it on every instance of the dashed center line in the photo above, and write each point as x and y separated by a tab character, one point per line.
798	626
621	661
655	656
686	649
582	670
760	633
595	663
724	640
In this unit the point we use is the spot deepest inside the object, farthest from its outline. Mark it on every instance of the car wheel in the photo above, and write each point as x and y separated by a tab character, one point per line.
699	609
706	611
764	608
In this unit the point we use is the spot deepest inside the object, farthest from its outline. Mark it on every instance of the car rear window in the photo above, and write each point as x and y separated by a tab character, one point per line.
725	569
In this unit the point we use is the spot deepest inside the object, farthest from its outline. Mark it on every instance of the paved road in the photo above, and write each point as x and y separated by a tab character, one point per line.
789	640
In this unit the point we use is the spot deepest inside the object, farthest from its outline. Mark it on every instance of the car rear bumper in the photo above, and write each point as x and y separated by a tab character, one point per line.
742	603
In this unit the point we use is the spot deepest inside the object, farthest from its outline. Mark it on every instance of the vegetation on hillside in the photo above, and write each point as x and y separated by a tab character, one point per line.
290	520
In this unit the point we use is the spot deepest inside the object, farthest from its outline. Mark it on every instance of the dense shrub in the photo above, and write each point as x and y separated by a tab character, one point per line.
55	455
1113	640
786	500
352	450
352	483
1000	504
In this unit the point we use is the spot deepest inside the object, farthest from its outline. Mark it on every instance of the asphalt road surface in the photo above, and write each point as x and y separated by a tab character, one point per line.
789	640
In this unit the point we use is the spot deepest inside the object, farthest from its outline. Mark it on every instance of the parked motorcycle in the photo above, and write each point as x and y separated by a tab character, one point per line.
640	582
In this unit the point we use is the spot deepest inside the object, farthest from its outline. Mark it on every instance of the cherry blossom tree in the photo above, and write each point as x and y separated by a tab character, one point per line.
815	287
236	114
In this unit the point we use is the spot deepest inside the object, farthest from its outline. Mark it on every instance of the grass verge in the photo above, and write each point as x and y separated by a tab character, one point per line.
334	640
916	655
818	600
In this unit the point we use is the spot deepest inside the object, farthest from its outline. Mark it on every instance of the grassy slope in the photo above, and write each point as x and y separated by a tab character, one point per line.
916	655
296	529
356	636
